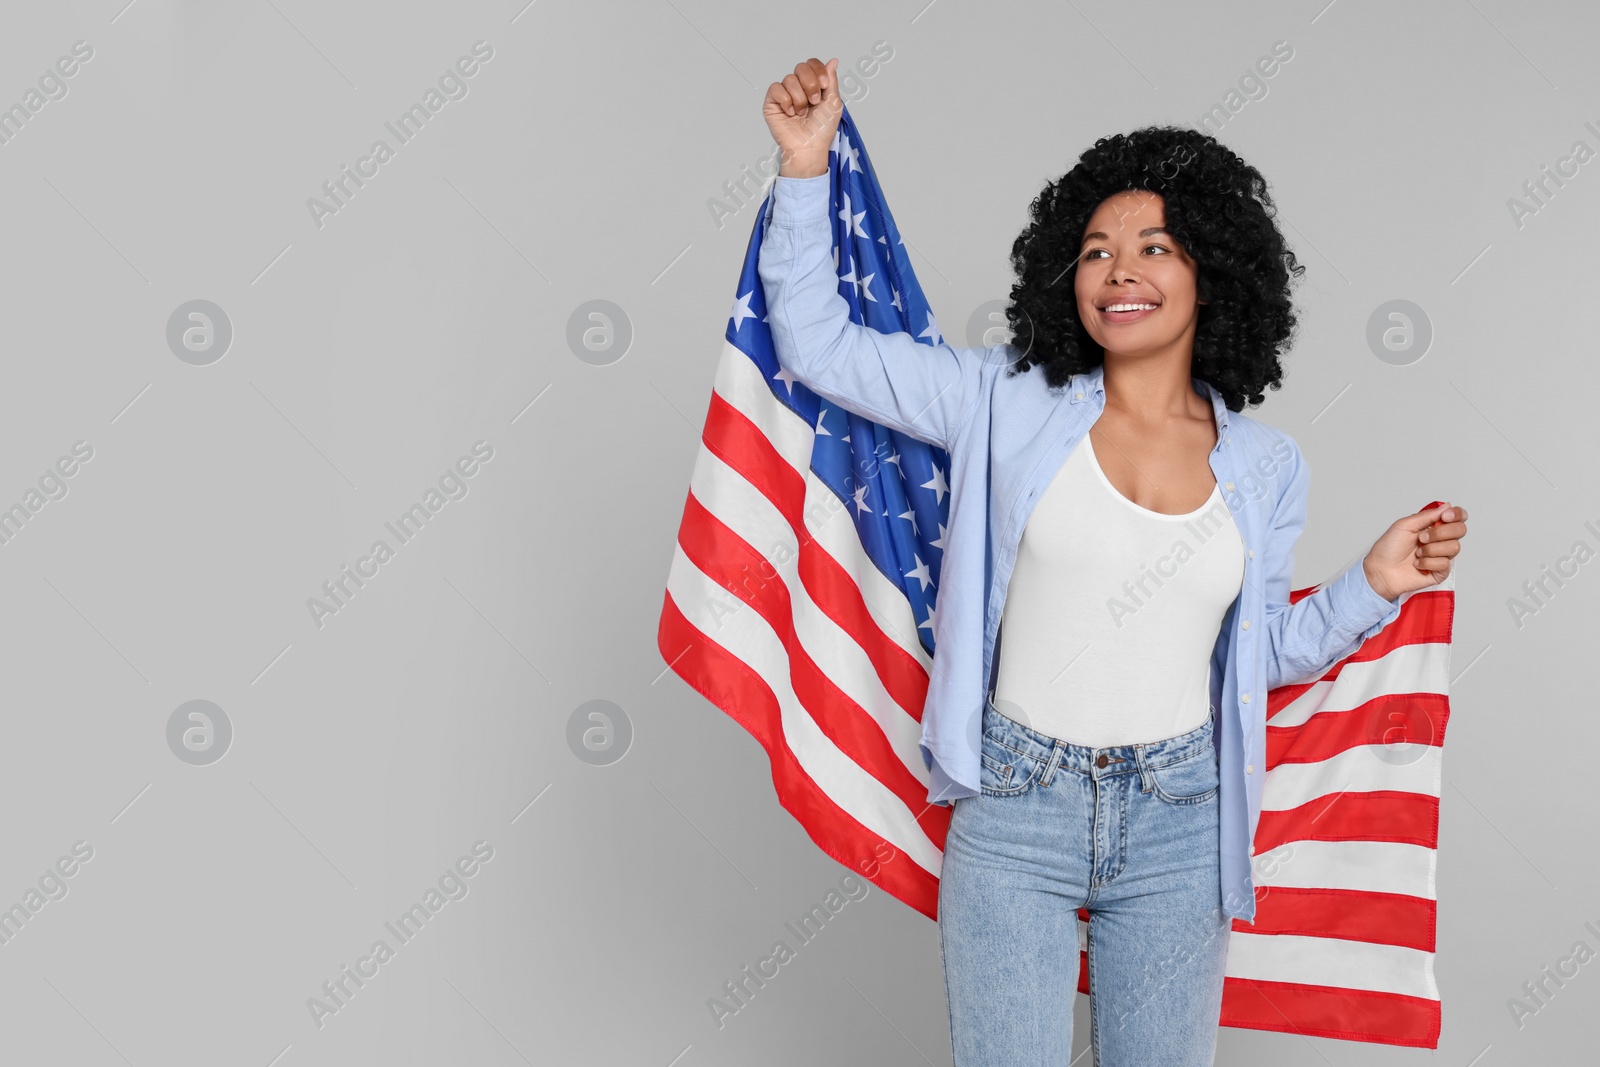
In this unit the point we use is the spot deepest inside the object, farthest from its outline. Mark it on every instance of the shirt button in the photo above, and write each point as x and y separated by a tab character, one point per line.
1245	699
1246	625
1250	768
1080	396
1252	553
1230	485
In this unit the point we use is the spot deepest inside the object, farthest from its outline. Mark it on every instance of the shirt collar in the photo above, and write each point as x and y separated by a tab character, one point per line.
1091	383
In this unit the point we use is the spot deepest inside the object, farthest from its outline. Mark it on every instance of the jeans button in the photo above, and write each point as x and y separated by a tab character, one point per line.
1102	761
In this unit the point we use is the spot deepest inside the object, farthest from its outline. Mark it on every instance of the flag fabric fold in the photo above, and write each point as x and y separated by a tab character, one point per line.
815	635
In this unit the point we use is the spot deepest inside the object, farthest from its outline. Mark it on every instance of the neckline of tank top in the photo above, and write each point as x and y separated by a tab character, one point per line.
1216	491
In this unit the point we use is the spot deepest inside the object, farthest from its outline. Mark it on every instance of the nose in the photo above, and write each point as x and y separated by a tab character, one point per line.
1122	270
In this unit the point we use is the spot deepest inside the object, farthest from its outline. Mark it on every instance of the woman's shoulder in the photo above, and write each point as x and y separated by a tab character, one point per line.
1259	435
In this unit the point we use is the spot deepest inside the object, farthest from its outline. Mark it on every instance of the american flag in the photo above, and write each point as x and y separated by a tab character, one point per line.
816	636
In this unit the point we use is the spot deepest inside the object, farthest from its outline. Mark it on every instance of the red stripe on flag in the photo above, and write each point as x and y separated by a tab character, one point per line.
1389	719
1381	815
1348	914
1331	1011
740	444
1426	618
732	686
723	556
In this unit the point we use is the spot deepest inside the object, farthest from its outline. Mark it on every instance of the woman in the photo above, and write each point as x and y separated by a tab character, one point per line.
1125	524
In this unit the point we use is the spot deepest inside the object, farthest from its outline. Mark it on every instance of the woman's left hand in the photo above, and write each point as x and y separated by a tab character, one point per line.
1415	554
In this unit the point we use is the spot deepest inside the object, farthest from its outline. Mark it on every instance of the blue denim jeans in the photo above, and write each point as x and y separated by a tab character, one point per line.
1129	833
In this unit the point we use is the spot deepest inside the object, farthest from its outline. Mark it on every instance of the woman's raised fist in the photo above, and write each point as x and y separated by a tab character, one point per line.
803	111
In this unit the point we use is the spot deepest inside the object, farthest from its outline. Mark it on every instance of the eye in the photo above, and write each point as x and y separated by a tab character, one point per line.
1160	248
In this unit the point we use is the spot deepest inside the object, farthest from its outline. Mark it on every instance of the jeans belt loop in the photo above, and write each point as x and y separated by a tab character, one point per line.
1145	778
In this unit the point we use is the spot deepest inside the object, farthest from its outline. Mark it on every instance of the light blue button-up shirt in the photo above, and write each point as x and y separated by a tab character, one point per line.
1006	437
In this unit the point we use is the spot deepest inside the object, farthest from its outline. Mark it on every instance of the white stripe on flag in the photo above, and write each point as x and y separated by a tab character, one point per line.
1414	668
751	516
1367	866
1332	961
1412	768
739	383
863	797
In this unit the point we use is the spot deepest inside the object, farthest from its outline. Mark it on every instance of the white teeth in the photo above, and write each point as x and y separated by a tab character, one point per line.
1128	307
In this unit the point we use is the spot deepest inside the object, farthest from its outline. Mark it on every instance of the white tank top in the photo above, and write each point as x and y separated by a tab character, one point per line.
1113	611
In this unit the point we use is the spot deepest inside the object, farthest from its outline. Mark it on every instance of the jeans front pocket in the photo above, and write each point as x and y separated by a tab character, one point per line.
1004	772
1188	779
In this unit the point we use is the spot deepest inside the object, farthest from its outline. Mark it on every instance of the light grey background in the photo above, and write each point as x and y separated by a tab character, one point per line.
433	311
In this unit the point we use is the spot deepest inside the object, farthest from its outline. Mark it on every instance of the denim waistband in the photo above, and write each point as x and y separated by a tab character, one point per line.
1055	753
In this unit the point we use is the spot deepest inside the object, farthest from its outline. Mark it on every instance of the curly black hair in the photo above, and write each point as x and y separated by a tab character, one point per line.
1217	207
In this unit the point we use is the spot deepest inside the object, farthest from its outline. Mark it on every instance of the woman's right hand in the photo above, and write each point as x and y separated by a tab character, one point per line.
803	112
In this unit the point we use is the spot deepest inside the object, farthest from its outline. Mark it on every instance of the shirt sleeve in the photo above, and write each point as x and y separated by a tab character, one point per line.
925	391
1307	637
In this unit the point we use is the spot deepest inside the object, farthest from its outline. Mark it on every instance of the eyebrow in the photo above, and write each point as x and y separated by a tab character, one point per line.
1148	231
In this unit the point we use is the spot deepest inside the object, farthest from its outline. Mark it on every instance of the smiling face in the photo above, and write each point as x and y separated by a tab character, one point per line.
1129	261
